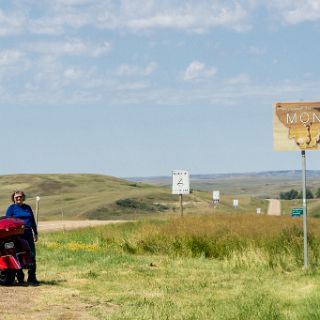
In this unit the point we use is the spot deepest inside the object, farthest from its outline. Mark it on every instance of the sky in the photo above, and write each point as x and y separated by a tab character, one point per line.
143	87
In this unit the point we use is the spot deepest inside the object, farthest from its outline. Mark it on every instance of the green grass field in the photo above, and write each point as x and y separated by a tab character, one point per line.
210	267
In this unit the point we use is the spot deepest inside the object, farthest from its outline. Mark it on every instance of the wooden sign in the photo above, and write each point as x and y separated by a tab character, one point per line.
296	126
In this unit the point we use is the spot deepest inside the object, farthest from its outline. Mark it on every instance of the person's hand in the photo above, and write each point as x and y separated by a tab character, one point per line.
35	237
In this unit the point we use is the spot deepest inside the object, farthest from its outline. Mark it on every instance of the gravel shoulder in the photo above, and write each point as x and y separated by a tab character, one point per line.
48	226
274	208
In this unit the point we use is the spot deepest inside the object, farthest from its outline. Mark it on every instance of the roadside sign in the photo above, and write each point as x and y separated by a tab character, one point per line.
296	126
216	196
296	212
235	203
180	182
258	210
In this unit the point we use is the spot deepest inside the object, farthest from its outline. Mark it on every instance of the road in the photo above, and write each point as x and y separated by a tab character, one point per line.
274	208
47	226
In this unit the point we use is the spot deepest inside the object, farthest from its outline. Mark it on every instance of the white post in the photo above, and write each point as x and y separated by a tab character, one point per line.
37	208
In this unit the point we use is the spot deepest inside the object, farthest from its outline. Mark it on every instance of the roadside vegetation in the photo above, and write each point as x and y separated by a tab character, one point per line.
198	267
294	194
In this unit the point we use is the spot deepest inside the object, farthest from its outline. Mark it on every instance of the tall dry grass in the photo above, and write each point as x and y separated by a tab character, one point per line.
278	239
238	239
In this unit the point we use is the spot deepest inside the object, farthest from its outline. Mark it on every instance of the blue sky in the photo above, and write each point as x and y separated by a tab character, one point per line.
139	88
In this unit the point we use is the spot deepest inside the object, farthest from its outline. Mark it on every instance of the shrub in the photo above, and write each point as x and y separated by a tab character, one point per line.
292	194
140	205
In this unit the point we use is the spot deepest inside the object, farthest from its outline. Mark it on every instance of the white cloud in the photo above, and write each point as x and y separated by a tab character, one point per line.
73	73
56	21
101	49
50	73
58	37
239	79
190	15
297	11
11	23
74	47
72	2
46	26
137	7
150	68
133	86
126	70
257	51
9	57
198	70
70	47
57	17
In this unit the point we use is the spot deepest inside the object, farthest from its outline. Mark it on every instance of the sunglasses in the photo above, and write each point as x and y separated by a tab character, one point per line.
18	197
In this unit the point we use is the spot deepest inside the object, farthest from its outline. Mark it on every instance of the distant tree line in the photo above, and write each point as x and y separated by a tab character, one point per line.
294	194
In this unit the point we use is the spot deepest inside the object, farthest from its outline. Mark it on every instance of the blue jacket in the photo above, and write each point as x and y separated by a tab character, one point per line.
25	213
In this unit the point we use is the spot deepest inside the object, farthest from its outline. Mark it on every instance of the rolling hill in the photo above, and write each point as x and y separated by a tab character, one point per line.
90	196
265	185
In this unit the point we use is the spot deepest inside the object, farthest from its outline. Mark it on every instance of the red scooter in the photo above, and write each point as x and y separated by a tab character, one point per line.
15	252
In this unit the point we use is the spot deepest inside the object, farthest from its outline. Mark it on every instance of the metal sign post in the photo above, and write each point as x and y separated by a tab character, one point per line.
304	205
181	206
295	128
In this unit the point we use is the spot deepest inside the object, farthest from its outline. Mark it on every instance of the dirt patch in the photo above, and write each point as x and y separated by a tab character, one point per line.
44	302
50	301
274	208
47	226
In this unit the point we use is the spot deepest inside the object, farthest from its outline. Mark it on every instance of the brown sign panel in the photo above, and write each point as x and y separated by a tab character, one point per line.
296	126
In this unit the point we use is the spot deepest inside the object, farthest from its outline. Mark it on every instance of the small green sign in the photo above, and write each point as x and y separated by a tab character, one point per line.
296	212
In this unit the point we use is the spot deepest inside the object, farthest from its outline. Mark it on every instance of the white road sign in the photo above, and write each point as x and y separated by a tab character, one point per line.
235	203
180	182
216	195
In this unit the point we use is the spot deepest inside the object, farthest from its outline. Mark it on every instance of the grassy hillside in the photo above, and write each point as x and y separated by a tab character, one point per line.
264	187
88	196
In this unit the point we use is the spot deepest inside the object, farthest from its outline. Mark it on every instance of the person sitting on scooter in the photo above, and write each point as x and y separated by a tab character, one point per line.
23	211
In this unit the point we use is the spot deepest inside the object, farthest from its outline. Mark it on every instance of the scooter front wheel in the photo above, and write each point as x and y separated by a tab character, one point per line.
7	277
